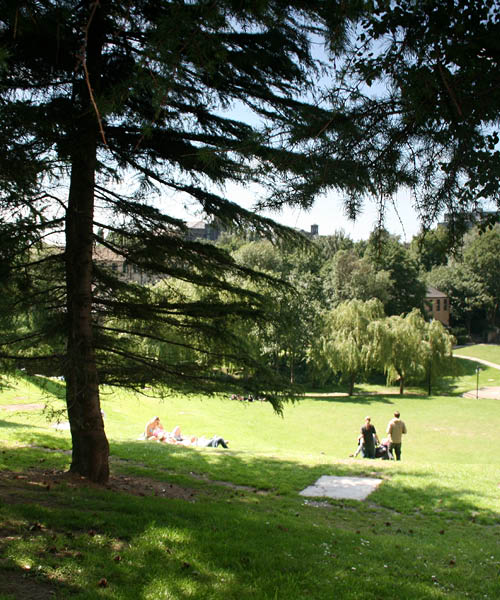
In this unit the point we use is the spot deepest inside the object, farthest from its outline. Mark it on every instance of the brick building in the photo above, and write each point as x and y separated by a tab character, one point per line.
438	305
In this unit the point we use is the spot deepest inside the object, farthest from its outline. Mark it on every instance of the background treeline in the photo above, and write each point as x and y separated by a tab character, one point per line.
333	270
308	289
312	296
115	114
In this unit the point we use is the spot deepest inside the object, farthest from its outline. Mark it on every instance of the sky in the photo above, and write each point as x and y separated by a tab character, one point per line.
327	212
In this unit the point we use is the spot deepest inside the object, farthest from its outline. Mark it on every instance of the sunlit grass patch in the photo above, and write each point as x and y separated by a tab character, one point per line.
210	524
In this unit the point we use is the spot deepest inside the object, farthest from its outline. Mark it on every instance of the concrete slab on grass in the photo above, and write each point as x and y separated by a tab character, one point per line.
350	488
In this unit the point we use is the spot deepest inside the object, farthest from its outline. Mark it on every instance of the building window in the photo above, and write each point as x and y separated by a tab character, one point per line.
438	305
445	304
125	267
114	267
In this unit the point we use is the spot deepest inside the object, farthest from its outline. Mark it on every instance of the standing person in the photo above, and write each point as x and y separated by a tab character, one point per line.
370	437
395	429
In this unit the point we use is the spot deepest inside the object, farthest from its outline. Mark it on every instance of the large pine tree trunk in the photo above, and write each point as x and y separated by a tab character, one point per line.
90	445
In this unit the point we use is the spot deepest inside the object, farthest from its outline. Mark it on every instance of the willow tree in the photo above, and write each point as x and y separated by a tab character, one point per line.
346	343
403	352
411	348
438	344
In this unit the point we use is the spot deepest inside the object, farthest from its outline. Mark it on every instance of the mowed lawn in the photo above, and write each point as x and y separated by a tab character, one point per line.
214	523
489	352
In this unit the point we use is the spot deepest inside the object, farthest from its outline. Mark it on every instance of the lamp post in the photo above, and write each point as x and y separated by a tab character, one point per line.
477	382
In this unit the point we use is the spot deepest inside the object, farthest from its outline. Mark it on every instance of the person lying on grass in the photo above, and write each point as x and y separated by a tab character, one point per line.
155	432
213	442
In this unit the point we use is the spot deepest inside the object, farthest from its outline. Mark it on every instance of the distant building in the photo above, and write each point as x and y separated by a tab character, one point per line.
469	219
438	305
201	230
197	230
314	231
116	263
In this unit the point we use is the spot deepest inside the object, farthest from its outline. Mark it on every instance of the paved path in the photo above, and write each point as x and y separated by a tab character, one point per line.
353	488
479	360
483	392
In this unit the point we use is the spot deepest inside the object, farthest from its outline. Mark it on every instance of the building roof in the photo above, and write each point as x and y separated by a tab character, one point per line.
432	292
197	225
103	253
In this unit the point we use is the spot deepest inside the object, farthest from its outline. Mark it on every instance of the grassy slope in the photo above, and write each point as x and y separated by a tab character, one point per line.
488	352
432	530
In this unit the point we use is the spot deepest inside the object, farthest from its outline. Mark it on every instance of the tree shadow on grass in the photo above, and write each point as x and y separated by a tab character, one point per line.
14	425
54	387
19	582
453	385
234	543
367	398
354	399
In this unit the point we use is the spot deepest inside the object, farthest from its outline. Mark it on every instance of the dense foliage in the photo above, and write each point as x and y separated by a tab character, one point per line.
112	111
111	107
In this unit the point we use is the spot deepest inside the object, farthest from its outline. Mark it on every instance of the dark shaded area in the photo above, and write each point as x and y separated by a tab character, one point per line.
21	584
355	399
10	424
447	386
67	517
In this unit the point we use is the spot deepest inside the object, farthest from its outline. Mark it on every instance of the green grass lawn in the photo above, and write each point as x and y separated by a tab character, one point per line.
230	523
490	352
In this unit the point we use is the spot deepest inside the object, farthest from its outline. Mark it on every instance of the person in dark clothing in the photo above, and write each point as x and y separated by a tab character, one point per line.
370	438
213	442
217	441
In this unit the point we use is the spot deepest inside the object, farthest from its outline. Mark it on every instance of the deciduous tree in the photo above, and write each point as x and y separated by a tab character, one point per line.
388	254
345	345
482	257
438	345
403	354
466	291
349	276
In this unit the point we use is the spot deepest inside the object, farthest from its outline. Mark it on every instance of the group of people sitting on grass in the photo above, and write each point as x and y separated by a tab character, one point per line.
155	432
248	398
389	448
379	449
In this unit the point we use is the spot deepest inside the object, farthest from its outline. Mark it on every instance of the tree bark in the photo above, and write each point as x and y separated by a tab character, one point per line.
90	445
352	379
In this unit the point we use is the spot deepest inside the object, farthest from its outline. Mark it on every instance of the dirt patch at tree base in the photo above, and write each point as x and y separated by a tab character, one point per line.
19	487
23	585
